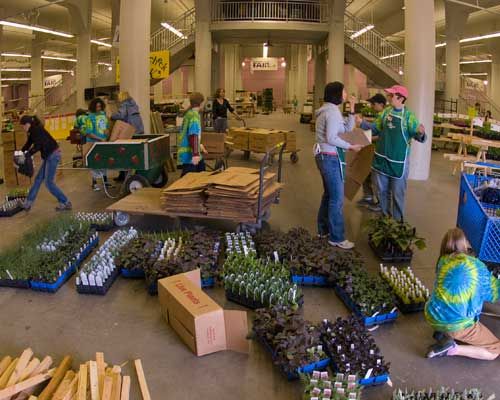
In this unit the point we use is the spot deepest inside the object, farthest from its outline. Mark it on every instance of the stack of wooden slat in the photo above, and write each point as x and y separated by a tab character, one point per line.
187	195
21	377
156	123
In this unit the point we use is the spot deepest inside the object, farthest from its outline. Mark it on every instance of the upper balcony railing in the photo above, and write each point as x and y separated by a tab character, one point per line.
164	39
261	10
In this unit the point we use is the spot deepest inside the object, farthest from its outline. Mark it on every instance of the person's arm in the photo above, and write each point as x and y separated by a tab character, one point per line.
334	126
194	133
365	125
28	144
416	129
229	107
121	114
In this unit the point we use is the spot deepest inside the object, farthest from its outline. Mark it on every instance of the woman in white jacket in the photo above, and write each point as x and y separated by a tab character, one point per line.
330	159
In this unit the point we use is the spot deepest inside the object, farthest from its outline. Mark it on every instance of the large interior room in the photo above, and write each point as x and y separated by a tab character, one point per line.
219	199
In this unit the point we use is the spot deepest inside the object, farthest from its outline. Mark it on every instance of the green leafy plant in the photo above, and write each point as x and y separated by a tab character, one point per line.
405	284
320	385
441	394
390	235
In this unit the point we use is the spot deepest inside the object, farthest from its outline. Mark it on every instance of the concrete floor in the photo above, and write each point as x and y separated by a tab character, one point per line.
127	323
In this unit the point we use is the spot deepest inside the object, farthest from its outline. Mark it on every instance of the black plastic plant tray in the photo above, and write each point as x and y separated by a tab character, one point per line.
375	380
15	283
309	280
250	303
102	227
409	308
133	273
99	290
391	258
10	198
11	212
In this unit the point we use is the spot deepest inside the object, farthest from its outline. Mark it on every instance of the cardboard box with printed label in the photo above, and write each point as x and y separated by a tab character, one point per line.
213	142
201	323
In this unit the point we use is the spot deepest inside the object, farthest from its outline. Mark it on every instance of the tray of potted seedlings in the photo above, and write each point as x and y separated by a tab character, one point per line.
100	221
256	283
60	259
13	273
319	385
369	297
353	351
240	243
311	260
17	193
11	207
140	251
393	241
410	292
98	274
294	343
443	393
185	251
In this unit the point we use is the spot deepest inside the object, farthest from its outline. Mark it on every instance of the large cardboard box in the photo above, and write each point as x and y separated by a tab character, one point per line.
291	140
239	138
263	140
201	323
358	165
121	131
213	142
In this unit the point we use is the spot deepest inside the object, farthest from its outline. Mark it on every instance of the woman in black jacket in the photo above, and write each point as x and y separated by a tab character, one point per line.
219	111
39	140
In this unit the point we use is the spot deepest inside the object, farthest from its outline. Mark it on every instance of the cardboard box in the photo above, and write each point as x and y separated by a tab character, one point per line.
291	140
121	130
262	141
239	138
199	321
213	142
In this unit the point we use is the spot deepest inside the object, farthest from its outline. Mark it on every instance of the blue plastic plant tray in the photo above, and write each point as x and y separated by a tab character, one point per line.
15	283
368	321
134	273
307	280
55	286
376	380
208	282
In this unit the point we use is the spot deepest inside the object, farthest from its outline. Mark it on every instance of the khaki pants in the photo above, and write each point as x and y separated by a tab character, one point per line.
477	335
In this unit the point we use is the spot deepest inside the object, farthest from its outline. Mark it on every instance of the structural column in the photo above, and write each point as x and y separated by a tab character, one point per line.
203	46
494	82
335	67
37	92
319	77
83	53
232	70
135	31
456	18
301	77
115	25
420	72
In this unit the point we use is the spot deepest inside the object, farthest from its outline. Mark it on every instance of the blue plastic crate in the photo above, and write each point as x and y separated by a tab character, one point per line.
368	321
135	273
477	220
306	280
208	283
55	286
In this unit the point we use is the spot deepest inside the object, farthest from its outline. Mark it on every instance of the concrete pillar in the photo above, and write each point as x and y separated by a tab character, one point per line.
158	92
37	103
301	77
115	23
494	81
456	18
203	46
232	70
190	79
216	61
335	67
319	77
1	96
177	89
420	72
135	31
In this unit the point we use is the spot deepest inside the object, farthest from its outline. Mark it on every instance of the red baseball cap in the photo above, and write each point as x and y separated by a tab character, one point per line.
398	89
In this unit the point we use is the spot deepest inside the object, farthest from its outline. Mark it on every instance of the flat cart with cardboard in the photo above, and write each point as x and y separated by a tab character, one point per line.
215	145
143	157
147	200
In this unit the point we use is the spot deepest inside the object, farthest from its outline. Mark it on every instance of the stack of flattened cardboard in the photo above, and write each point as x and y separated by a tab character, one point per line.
187	195
233	194
263	140
239	138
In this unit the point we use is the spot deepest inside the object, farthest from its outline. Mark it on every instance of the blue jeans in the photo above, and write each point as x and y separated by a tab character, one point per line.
47	173
392	193
330	215
187	168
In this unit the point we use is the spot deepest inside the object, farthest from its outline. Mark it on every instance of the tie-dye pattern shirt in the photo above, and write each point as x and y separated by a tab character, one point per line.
462	285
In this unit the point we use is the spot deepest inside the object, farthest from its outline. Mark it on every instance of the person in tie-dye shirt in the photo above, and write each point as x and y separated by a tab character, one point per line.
463	284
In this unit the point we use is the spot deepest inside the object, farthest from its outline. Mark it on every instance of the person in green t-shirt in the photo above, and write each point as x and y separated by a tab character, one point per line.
97	130
189	147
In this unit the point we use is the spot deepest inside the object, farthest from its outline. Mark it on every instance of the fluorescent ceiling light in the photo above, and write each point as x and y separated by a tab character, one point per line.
5	85
265	50
474	38
392	56
16	79
16	70
103	63
472	62
16	55
59	58
361	31
36	28
474	73
166	25
58	70
440	45
98	42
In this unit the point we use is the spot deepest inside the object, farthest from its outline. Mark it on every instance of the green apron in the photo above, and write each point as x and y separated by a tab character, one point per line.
392	147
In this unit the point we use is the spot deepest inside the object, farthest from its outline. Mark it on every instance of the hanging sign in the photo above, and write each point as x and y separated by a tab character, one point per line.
264	64
51	81
159	65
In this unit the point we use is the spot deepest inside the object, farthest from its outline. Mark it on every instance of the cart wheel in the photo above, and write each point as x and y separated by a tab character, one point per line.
136	182
294	158
220	164
121	218
161	181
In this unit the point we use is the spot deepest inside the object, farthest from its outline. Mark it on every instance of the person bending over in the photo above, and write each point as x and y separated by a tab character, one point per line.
463	284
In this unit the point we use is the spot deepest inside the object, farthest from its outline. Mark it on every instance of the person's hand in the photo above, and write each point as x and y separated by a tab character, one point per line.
356	147
359	120
352	102
421	129
196	160
203	149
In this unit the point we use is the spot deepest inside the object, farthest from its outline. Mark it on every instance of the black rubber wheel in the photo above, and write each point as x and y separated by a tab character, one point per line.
161	181
135	182
294	158
220	164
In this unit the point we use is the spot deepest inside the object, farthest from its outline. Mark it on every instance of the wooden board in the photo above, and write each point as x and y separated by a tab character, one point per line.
144	201
81	393
142	380
4	364
125	395
7	373
107	388
94	381
56	379
101	366
7	393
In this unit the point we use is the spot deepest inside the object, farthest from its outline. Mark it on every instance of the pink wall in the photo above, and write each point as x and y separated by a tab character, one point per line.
258	80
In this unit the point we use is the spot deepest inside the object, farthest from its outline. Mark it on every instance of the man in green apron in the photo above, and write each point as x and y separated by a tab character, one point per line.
395	127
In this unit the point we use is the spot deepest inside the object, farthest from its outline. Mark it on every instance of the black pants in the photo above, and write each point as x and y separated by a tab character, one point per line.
187	168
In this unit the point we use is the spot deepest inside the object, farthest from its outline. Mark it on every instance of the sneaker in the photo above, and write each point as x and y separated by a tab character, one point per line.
440	336
64	206
441	349
346	244
96	188
375	208
27	205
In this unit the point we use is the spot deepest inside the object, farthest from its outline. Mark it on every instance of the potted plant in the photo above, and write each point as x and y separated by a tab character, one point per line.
320	385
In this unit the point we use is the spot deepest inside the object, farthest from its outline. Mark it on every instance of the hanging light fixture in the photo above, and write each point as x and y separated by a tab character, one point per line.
36	28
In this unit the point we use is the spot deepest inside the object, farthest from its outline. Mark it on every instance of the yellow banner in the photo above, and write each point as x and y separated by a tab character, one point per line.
159	65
